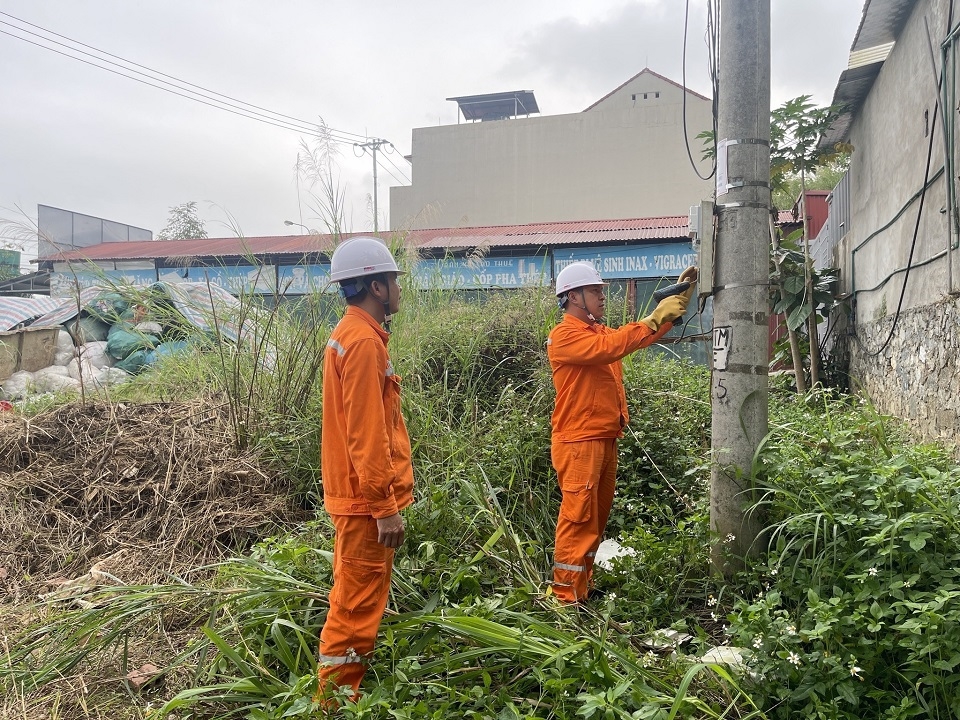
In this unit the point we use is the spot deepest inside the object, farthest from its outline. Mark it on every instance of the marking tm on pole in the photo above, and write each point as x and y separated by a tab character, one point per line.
721	347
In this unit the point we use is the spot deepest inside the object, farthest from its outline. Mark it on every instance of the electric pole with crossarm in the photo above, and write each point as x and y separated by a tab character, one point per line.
373	145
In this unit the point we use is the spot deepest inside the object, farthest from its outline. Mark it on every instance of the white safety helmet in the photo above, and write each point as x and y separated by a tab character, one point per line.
577	275
360	256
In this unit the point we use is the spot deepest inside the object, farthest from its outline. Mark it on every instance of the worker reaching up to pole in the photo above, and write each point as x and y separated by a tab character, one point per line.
590	413
364	459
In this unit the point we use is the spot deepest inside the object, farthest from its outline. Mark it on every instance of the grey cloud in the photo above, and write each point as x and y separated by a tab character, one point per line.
588	59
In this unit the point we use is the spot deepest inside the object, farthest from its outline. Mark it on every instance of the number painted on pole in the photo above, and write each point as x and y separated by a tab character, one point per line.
721	392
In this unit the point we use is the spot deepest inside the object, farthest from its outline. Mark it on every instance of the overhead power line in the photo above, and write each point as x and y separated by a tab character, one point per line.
175	85
386	156
177	88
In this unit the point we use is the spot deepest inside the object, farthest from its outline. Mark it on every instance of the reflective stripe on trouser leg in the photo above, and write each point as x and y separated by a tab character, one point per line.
578	468
361	586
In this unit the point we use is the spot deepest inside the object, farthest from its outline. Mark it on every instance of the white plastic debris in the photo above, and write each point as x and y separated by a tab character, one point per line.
81	369
148	327
95	353
65	351
610	550
17	385
110	376
53	383
58	370
665	639
724	655
64	342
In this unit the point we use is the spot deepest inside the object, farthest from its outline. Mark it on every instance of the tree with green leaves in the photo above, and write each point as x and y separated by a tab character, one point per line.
798	163
795	131
824	177
183	224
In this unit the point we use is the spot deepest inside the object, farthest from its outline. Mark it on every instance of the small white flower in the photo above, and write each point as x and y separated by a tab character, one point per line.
711	601
713	616
907	583
793	658
791	630
872	572
774	571
731	537
855	672
758	642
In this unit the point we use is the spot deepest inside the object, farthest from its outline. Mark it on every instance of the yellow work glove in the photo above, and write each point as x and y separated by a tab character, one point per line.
670	309
690	275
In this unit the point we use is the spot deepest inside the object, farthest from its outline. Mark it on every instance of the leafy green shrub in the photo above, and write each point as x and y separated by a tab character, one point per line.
661	474
858	615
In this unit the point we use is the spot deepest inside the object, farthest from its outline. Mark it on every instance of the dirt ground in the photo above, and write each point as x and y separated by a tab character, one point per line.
102	494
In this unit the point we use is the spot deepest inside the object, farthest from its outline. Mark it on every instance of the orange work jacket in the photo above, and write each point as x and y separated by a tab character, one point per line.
364	446
588	376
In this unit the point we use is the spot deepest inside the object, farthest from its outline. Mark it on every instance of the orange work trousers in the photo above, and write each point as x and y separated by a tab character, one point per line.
361	586
587	472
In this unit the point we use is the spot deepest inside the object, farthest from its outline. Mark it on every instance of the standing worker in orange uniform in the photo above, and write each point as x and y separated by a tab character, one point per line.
591	412
365	459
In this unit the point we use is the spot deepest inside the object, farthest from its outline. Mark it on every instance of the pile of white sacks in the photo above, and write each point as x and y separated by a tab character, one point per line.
87	366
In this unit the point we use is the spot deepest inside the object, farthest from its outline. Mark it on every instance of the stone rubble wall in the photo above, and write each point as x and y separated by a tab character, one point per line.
917	376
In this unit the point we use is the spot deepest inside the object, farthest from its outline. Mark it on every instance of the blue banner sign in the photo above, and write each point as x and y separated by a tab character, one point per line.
630	261
484	272
63	284
304	279
140	278
237	278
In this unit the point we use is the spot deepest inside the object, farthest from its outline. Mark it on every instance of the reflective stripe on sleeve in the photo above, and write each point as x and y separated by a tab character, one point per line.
389	370
591	554
571	568
336	346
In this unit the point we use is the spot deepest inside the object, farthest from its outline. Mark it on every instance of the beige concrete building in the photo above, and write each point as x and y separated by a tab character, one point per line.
622	157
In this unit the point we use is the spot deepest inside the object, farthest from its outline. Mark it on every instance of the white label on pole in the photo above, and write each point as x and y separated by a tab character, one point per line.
722	168
721	347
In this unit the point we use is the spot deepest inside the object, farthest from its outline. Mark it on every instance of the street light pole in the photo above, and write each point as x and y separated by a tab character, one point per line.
290	223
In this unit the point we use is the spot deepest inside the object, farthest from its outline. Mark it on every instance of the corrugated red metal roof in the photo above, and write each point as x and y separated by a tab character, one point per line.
574	232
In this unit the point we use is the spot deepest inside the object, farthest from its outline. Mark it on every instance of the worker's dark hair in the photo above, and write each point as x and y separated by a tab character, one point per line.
354	290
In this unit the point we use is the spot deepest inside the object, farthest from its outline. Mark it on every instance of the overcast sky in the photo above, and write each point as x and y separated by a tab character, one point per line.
83	139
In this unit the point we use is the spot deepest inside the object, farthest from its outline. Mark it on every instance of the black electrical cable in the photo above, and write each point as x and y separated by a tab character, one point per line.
279	124
239	110
686	138
916	227
149	70
386	156
913	247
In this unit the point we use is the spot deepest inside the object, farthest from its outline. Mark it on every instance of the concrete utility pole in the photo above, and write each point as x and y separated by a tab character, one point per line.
373	145
741	361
